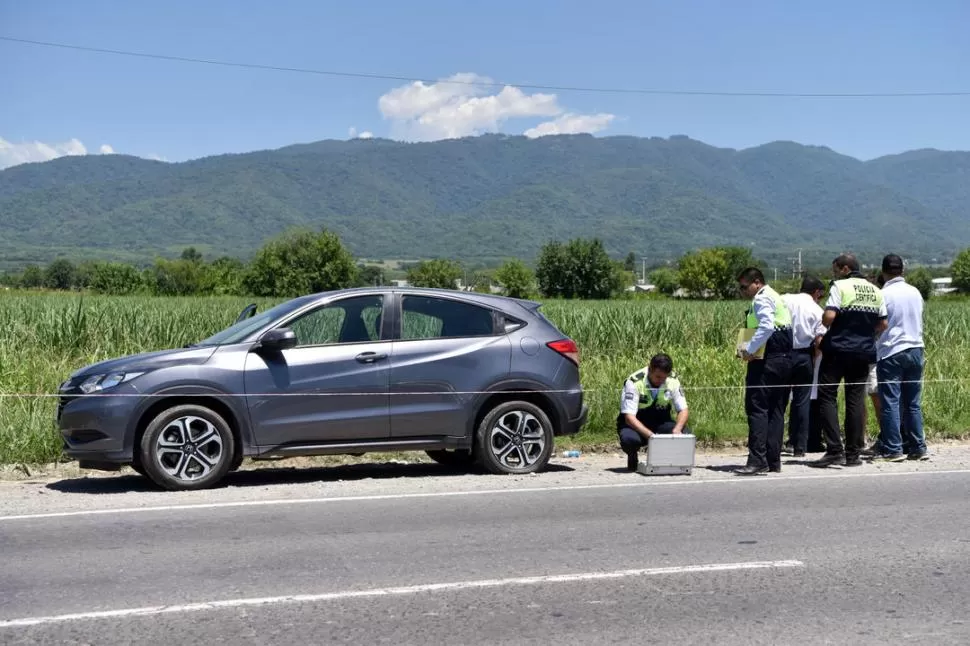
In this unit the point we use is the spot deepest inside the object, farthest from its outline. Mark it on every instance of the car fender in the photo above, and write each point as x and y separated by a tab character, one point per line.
513	384
235	402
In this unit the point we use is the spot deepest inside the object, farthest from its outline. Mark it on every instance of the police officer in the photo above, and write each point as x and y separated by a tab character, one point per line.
768	380
649	397
855	314
807	331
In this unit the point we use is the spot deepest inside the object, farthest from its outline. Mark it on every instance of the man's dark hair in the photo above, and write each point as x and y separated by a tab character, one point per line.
811	284
847	260
892	265
662	362
750	275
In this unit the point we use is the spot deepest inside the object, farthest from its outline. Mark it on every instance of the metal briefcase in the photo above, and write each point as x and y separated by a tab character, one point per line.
669	455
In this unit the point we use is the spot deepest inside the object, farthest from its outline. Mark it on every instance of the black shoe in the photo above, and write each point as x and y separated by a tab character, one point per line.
774	469
919	455
632	461
828	460
751	470
853	462
799	454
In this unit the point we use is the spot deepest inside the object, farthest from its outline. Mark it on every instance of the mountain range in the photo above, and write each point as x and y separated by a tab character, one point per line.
492	196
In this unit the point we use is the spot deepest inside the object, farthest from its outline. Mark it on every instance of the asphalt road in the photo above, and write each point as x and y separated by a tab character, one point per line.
804	561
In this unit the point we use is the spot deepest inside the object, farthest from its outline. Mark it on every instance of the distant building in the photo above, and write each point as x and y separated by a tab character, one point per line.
943	286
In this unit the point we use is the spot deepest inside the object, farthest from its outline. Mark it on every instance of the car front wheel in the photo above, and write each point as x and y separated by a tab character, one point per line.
515	437
187	447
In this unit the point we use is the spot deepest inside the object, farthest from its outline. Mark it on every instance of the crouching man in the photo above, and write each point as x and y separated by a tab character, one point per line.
649	397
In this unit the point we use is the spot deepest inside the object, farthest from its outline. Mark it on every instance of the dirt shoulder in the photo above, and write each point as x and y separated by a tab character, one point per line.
65	488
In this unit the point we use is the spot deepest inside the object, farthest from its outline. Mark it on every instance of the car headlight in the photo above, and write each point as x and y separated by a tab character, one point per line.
97	383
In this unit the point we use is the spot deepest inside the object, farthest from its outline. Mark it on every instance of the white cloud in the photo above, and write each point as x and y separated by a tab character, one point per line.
107	150
453	108
12	154
367	134
571	124
352	132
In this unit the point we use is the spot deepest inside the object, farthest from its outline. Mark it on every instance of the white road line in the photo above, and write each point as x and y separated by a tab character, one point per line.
448	494
385	592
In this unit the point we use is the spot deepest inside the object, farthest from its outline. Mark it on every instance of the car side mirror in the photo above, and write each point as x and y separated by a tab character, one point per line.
280	338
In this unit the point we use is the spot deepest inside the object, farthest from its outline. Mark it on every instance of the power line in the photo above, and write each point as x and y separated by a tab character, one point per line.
557	88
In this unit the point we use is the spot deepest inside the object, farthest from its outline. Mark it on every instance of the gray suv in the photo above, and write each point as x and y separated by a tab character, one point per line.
468	378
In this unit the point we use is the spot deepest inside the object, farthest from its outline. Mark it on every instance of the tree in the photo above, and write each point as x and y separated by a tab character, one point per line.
921	279
301	262
665	280
714	271
370	276
225	275
115	278
438	273
180	278
579	269
32	277
482	282
60	274
630	264
191	255
701	272
516	279
961	271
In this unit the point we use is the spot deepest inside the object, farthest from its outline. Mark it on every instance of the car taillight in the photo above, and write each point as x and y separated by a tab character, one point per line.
567	348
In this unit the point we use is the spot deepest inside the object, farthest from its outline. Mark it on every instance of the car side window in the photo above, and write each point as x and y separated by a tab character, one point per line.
350	320
426	317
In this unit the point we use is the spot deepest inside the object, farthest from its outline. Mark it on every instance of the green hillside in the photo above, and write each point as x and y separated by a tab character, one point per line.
492	196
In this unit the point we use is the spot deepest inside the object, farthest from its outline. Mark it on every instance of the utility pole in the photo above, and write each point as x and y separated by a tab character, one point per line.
643	272
796	263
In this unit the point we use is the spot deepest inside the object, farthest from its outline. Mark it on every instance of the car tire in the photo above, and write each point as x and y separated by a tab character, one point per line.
187	447
514	430
459	458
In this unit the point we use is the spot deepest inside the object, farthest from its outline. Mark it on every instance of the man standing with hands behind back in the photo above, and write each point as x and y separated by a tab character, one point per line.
768	381
854	315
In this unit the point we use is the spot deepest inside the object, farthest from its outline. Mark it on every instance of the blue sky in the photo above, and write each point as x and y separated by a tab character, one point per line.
177	111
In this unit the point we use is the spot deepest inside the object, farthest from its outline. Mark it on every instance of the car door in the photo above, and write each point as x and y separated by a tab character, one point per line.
333	386
446	348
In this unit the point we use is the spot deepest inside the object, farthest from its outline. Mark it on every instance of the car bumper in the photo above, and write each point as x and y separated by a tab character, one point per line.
574	426
93	429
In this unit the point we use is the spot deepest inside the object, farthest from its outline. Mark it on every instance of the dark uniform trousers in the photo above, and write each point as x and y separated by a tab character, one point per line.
767	389
854	369
799	419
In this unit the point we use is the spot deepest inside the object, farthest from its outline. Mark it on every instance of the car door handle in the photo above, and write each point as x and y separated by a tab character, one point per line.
370	357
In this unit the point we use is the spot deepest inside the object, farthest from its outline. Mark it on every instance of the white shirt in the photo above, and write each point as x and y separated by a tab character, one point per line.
764	312
904	304
806	318
631	398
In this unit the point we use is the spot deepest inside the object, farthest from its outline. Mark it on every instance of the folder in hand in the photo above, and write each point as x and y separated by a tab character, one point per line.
744	337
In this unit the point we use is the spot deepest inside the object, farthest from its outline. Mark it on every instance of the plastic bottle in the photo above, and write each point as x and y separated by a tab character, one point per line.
570	454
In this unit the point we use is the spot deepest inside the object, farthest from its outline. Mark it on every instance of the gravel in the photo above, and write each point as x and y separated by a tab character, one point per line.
60	488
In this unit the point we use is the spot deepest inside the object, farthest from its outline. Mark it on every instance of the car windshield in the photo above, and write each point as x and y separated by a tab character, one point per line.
239	331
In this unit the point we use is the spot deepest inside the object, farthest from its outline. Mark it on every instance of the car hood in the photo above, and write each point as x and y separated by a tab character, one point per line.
148	361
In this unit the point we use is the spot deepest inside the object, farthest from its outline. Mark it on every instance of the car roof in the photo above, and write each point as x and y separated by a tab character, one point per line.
487	300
